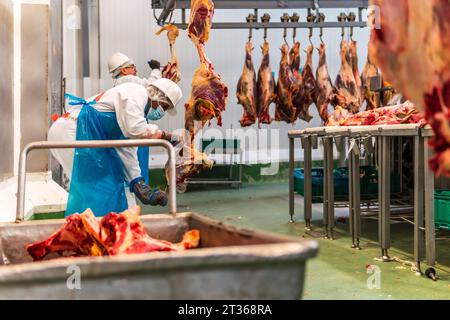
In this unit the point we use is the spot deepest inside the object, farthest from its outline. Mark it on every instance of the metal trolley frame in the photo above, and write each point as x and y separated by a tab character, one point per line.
424	228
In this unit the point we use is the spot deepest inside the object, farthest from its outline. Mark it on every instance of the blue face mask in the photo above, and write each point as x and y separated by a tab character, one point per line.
156	114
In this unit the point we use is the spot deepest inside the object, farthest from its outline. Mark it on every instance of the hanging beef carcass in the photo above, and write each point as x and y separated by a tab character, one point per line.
266	87
356	74
172	69
294	60
246	89
208	98
309	88
325	89
372	98
410	43
346	89
287	89
209	94
115	234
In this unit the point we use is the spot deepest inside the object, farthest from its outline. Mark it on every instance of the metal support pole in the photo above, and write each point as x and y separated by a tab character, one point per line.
329	222
356	185
20	216
430	227
351	203
419	188
291	179
307	147
385	196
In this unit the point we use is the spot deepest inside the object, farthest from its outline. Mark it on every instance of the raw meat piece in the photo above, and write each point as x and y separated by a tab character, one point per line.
412	50
287	89
125	234
400	114
338	117
372	98
325	90
72	239
171	70
309	90
246	89
115	234
266	87
202	12
345	85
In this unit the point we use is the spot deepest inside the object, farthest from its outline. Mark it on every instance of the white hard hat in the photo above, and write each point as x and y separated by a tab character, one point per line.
171	90
118	61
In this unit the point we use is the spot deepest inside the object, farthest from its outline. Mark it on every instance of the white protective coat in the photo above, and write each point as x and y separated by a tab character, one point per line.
155	75
128	101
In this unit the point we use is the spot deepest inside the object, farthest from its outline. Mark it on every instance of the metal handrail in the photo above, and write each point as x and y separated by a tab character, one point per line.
45	145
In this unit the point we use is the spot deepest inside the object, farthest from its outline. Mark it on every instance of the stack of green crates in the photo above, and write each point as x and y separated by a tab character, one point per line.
442	209
369	183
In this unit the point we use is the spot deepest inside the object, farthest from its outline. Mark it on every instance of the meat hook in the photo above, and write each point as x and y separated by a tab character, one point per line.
251	19
342	18
295	18
285	19
265	19
351	18
311	18
321	19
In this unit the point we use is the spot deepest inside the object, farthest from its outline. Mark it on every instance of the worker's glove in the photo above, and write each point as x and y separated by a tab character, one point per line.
147	196
154	64
175	140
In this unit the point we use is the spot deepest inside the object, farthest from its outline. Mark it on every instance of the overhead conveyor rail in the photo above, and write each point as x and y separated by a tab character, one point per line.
168	6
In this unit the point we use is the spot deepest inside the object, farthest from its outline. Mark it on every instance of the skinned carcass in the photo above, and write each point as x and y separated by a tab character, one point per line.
246	89
325	89
208	98
411	46
266	87
294	60
115	234
346	88
372	98
209	94
172	69
356	74
309	87
287	89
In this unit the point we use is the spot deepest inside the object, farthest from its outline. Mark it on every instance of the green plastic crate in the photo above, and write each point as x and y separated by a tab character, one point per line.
369	183
340	184
442	209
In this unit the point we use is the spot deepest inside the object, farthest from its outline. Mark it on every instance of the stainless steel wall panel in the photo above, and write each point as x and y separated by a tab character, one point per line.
34	81
6	90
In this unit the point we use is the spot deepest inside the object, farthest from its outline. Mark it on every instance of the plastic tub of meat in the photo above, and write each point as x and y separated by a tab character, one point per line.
231	263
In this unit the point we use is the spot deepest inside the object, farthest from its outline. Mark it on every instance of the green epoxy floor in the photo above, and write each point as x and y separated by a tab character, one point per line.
339	272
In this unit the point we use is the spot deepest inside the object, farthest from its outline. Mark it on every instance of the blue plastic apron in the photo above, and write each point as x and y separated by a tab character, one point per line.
97	179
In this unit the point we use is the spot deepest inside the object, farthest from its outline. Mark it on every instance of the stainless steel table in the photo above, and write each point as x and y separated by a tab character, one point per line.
424	228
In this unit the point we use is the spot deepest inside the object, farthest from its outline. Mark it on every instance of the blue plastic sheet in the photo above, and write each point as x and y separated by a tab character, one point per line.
97	180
